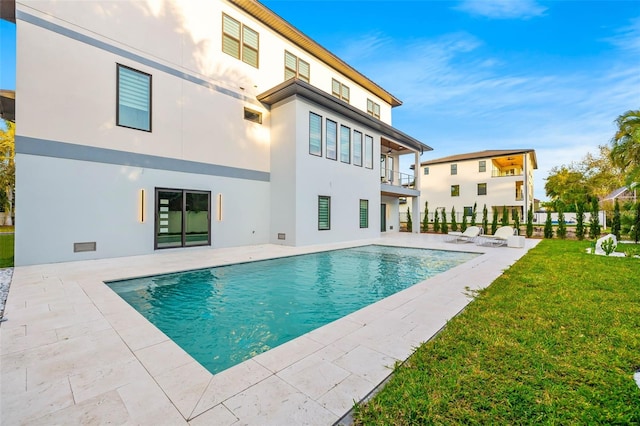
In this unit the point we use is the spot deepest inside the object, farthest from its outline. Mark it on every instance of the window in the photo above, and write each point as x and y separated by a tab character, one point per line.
364	213
324	213
240	41
339	90
295	67
252	115
368	152
426	171
454	169
357	148
373	109
455	190
345	144
482	189
134	99
482	166
468	211
182	218
315	134
332	140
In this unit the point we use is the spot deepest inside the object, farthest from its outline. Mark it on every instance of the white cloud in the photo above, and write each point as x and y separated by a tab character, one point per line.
502	9
628	37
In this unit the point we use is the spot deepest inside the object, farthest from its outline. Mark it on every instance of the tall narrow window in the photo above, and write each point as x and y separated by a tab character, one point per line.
182	218
340	90
368	152
324	213
345	144
240	41
426	170
332	139
134	99
295	67
454	169
373	109
357	148
315	134
364	213
482	166
455	190
482	189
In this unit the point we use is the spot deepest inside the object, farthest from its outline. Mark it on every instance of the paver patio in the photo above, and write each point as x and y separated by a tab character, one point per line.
73	352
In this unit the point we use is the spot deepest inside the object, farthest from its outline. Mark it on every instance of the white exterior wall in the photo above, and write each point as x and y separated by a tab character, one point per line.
393	214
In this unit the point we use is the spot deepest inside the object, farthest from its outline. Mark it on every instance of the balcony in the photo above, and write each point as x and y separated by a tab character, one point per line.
394	178
506	172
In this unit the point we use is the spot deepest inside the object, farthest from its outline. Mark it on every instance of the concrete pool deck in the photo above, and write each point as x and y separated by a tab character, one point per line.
73	352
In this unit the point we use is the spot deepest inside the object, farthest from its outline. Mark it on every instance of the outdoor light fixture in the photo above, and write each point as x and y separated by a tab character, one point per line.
219	213
141	206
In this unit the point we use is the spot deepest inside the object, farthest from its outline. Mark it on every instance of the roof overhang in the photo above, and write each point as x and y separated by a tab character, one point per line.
288	31
8	104
491	153
8	10
296	87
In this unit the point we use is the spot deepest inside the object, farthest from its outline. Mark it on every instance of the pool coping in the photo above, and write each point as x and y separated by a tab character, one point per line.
73	349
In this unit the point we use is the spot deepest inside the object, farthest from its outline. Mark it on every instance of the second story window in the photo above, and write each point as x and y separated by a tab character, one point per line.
426	171
454	169
482	189
340	90
373	109
133	99
455	190
482	166
295	67
240	41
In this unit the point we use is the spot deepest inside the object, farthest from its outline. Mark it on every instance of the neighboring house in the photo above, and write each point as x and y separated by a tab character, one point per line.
149	125
495	178
623	194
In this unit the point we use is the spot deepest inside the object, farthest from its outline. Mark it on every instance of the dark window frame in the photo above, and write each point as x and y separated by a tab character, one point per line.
454	169
346	133
368	152
150	103
455	190
482	166
336	139
328	200
366	216
361	144
184	210
425	171
252	115
485	188
321	133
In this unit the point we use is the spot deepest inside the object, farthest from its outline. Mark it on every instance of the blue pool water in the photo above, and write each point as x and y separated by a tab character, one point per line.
224	315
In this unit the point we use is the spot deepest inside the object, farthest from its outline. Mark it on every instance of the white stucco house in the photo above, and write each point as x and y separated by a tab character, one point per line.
495	178
146	125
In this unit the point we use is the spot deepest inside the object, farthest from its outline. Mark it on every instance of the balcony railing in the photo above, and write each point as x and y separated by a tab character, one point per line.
506	172
395	178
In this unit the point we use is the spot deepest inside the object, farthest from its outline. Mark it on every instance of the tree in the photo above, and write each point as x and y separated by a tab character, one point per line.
7	168
485	220
409	222
615	222
594	226
444	227
425	220
530	221
436	222
516	220
505	216
625	151
494	221
566	184
463	227
548	227
474	214
454	222
561	232
580	229
635	230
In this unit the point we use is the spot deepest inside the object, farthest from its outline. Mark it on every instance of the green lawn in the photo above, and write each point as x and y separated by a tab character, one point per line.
554	340
6	250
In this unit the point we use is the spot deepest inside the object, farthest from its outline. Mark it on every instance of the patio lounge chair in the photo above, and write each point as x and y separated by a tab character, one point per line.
470	234
499	238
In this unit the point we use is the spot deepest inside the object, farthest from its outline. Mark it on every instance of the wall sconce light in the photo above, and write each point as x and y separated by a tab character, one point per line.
219	212
141	204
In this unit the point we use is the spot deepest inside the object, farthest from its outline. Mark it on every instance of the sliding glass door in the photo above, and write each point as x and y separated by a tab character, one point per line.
182	218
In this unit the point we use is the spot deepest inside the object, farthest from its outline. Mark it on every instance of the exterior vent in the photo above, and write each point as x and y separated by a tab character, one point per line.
82	247
282	236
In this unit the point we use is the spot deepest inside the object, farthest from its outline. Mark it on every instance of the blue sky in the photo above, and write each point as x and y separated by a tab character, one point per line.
490	74
480	74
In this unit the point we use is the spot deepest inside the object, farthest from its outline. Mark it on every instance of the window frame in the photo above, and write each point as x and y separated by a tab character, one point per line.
183	219
340	93
482	166
360	147
313	114
149	101
482	185
455	190
373	109
296	72
364	208
241	42
331	136
249	115
345	154
454	169
368	152
321	226
425	171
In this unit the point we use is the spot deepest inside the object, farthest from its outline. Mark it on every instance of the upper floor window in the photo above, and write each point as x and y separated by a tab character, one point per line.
357	148
482	189
340	90
295	67
240	41
368	151
373	109
482	166
426	170
315	134
345	144
454	169
455	190
133	99
332	139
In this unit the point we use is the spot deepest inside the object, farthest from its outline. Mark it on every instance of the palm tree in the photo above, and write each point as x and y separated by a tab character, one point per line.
625	152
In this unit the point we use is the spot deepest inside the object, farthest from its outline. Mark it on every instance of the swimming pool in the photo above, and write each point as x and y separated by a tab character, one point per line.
224	315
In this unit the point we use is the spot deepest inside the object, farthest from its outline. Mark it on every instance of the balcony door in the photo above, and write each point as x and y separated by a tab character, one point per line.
183	218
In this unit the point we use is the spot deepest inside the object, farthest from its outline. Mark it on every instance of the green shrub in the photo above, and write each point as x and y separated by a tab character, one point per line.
562	225
485	220
505	216
443	226
474	214
436	222
454	222
425	220
409	222
580	229
548	227
530	221
615	222
594	226
494	221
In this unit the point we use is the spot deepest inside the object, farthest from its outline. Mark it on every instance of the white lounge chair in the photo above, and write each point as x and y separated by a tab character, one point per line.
469	234
500	237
